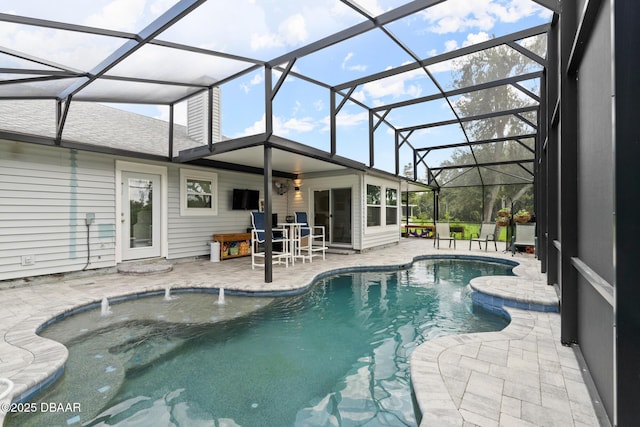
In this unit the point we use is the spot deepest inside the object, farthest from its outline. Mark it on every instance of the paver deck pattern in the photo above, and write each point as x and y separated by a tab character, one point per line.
520	376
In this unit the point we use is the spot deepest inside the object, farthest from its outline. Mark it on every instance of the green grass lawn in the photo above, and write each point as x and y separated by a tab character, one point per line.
469	229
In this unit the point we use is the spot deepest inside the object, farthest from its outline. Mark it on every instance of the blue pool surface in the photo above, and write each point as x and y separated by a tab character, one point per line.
337	355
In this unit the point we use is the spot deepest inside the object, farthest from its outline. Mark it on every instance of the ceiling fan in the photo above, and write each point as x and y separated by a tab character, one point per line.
281	187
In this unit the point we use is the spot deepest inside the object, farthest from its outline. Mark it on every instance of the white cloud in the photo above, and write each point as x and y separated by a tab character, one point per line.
345	65
359	95
303	125
517	9
446	66
318	105
464	15
350	120
291	32
344	119
297	106
346	59
158	7
256	80
475	38
371	6
450	45
69	49
294	30
281	126
257	127
395	86
76	50
119	15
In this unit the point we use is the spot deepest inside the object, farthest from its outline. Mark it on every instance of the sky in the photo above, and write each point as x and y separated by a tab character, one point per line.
266	29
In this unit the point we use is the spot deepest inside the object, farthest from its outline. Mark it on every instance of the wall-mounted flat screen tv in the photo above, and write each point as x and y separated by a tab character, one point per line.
245	199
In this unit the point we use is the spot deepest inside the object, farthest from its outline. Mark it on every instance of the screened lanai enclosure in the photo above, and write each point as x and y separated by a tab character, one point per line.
425	107
476	103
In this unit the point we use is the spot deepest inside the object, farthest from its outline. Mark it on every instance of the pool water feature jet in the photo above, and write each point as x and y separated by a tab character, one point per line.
105	310
167	294
221	296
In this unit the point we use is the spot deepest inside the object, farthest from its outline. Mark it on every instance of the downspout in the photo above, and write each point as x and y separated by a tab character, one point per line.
88	221
88	247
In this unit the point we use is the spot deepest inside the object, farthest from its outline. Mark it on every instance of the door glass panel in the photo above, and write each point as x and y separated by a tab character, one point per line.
141	212
321	211
341	218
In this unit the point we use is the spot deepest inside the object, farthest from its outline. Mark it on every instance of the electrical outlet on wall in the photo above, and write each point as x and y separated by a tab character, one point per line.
28	259
90	218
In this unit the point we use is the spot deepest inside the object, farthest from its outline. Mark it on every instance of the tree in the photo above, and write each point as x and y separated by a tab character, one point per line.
481	67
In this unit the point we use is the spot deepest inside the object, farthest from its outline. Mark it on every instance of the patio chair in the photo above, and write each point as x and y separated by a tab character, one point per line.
525	236
309	239
487	234
443	232
258	238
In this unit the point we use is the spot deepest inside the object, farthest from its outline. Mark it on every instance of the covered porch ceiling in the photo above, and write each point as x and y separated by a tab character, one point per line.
164	53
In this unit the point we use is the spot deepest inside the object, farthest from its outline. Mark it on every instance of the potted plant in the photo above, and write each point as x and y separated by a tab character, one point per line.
522	216
502	221
503	217
504	212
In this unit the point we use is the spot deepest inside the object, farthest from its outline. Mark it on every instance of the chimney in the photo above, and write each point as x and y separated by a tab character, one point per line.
197	109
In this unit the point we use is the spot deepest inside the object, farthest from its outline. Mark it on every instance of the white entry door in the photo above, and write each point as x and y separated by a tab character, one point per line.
140	216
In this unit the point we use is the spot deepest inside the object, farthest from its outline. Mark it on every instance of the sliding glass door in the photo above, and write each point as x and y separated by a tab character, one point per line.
332	209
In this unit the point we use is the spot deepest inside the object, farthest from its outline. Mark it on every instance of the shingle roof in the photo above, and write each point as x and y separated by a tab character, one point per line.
95	124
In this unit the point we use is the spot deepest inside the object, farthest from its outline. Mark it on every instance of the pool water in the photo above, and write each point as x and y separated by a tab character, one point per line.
336	355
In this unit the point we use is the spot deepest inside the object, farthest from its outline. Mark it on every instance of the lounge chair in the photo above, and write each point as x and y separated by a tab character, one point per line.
310	239
258	237
525	236
487	234
443	232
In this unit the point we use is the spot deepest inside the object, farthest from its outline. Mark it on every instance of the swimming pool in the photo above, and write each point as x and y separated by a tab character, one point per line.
335	355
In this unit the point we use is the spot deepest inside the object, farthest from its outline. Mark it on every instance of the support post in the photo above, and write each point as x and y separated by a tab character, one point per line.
626	35
552	157
332	123
268	226
170	136
436	205
268	172
210	119
568	178
371	139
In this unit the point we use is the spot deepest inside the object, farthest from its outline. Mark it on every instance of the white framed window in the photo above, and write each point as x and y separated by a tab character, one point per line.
198	193
382	205
391	206
374	205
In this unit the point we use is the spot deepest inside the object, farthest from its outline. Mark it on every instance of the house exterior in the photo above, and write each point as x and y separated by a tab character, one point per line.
65	209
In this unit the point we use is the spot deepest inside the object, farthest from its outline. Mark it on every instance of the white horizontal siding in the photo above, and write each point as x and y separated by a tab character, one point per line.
190	236
197	117
45	194
384	234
